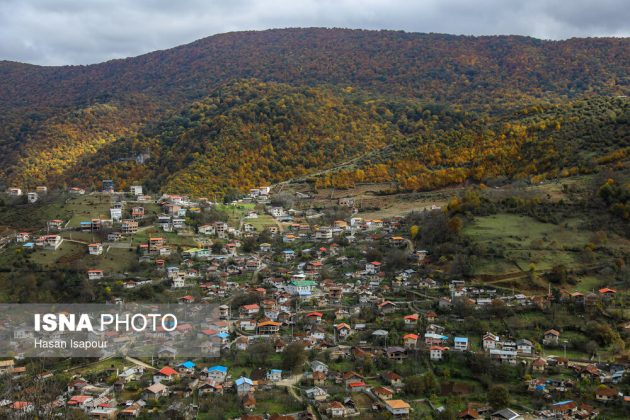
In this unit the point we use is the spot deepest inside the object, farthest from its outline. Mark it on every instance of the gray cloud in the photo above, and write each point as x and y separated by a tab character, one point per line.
56	32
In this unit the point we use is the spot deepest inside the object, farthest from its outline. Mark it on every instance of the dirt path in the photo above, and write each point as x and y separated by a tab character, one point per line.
139	363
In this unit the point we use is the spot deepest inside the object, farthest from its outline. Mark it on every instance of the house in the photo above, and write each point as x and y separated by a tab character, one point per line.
468	414
268	327
314	317
288	255
95	249
430	316
410	341
114	236
489	341
81	401
137	212
358	386
564	409
301	287
607	294
50	241
249	310
317	333
393	379
210	387
539	365
411	320
383	393
317	366
167	373
373	267
55	224
336	409
437	352
551	337
460	344
604	393
247	325
155	391
387	307
15	192
95	274
115	214
243	386
395	353
129	227
135	190
503	355
274	375
524	347
506	414
217	373
316	394
22	237
431	338
343	330
351	377
397	408
32	197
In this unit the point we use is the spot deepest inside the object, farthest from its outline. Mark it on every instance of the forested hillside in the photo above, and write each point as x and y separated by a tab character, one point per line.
231	111
429	66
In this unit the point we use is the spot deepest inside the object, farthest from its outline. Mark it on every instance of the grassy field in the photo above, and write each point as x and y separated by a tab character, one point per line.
236	212
64	256
85	208
524	242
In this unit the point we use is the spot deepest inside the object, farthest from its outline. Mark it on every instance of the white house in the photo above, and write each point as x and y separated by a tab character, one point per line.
437	352
206	230
461	343
135	190
115	214
95	249
397	407
95	274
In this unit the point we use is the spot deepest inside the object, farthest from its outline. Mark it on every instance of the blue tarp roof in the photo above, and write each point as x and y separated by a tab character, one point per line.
188	364
243	380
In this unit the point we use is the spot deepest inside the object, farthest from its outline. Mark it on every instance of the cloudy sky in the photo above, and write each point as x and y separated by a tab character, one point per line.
55	32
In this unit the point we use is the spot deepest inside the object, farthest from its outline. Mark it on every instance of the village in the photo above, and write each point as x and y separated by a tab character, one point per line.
324	313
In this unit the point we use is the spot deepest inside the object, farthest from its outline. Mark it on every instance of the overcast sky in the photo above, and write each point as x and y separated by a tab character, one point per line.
55	32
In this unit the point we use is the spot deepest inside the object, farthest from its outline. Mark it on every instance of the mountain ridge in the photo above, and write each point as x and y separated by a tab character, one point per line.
418	82
311	56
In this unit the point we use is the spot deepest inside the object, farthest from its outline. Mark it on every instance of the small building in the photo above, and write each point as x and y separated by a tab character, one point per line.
460	344
244	386
95	249
604	393
135	190
551	337
155	391
95	274
397	408
410	341
437	352
383	393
